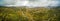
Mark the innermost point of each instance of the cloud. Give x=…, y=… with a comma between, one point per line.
x=9, y=2
x=43, y=3
x=31, y=2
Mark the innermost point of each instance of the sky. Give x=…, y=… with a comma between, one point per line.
x=33, y=3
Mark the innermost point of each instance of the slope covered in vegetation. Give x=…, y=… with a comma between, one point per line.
x=29, y=14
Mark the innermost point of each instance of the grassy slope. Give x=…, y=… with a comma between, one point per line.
x=25, y=14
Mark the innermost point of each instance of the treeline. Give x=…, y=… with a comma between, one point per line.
x=29, y=14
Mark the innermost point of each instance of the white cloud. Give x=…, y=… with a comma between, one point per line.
x=21, y=2
x=32, y=3
x=9, y=2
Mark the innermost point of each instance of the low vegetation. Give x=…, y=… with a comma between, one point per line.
x=29, y=14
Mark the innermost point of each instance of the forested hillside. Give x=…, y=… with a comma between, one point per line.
x=29, y=14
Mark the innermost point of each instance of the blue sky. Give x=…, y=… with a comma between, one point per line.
x=1, y=2
x=30, y=2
